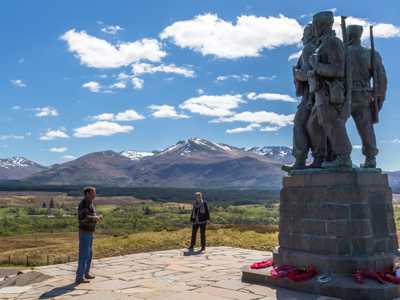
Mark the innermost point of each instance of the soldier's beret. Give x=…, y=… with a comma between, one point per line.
x=354, y=31
x=323, y=17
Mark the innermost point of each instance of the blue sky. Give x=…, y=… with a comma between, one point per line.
x=84, y=76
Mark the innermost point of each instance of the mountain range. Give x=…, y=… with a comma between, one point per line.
x=190, y=163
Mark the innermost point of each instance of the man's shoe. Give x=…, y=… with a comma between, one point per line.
x=203, y=249
x=82, y=280
x=370, y=162
x=88, y=276
x=190, y=249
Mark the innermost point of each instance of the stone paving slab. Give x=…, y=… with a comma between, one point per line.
x=164, y=275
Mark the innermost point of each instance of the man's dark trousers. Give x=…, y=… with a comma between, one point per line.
x=195, y=228
x=85, y=253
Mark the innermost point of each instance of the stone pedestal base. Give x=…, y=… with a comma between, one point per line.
x=338, y=222
x=342, y=286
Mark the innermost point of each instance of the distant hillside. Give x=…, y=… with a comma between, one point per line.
x=16, y=168
x=191, y=163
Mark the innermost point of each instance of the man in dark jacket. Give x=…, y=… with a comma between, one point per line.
x=199, y=218
x=87, y=224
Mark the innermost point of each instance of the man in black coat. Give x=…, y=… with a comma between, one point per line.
x=199, y=217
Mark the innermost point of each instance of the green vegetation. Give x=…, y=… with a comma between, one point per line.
x=33, y=233
x=128, y=218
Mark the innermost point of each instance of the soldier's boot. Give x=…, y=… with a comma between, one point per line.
x=317, y=163
x=339, y=163
x=370, y=162
x=298, y=165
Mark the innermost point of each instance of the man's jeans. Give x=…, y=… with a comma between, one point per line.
x=85, y=253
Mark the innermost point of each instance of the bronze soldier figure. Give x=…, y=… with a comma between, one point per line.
x=301, y=139
x=330, y=111
x=363, y=70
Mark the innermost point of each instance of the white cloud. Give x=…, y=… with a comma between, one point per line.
x=166, y=111
x=137, y=83
x=273, y=77
x=357, y=147
x=126, y=116
x=118, y=85
x=381, y=30
x=16, y=107
x=143, y=68
x=243, y=77
x=54, y=134
x=11, y=137
x=214, y=106
x=248, y=128
x=46, y=111
x=58, y=149
x=92, y=86
x=18, y=83
x=200, y=91
x=210, y=35
x=101, y=128
x=295, y=55
x=68, y=157
x=258, y=117
x=112, y=29
x=99, y=53
x=270, y=128
x=271, y=97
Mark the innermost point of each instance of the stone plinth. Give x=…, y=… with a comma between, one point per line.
x=339, y=222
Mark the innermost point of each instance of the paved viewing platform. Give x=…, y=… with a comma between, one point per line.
x=164, y=275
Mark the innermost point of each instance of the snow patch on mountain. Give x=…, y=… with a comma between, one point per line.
x=15, y=162
x=136, y=155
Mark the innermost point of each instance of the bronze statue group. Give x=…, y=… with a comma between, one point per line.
x=336, y=79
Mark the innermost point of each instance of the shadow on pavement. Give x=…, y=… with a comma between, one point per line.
x=59, y=291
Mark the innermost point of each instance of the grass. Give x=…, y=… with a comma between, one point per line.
x=42, y=235
x=58, y=248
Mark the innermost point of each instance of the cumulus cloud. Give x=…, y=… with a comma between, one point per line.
x=125, y=116
x=118, y=85
x=54, y=134
x=18, y=83
x=166, y=111
x=137, y=83
x=271, y=97
x=111, y=29
x=143, y=68
x=381, y=30
x=101, y=128
x=258, y=117
x=211, y=35
x=98, y=53
x=248, y=128
x=92, y=86
x=58, y=149
x=214, y=106
x=46, y=111
x=16, y=107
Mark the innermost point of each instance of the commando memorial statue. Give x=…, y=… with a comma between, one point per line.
x=337, y=234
